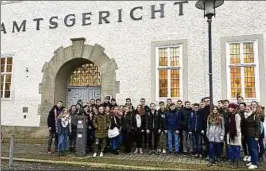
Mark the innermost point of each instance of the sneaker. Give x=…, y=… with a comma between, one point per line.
x=252, y=167
x=136, y=151
x=164, y=151
x=94, y=155
x=150, y=152
x=245, y=158
x=249, y=164
x=49, y=152
x=140, y=151
x=101, y=154
x=248, y=158
x=210, y=164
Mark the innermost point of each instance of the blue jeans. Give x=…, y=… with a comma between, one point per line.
x=196, y=140
x=234, y=152
x=62, y=142
x=116, y=141
x=253, y=146
x=171, y=135
x=214, y=150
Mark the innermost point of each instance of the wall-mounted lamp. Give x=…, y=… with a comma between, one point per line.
x=27, y=69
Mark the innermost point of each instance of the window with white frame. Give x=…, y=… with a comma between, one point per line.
x=243, y=72
x=168, y=72
x=6, y=76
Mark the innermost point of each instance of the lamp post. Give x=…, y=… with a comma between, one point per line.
x=208, y=6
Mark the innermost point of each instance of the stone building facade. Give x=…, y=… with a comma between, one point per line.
x=65, y=50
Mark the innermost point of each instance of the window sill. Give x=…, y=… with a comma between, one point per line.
x=6, y=99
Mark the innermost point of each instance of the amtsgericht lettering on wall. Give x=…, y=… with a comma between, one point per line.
x=103, y=17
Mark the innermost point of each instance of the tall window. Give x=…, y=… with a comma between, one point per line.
x=6, y=76
x=169, y=81
x=242, y=59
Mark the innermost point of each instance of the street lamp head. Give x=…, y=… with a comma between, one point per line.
x=209, y=6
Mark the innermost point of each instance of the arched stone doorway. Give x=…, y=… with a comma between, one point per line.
x=57, y=73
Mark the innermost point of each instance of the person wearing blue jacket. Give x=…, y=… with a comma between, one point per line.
x=172, y=127
x=194, y=128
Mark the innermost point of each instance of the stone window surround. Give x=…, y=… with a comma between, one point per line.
x=184, y=68
x=261, y=69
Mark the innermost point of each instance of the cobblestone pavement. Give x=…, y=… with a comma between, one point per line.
x=41, y=166
x=41, y=149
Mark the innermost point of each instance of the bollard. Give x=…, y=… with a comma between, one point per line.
x=11, y=150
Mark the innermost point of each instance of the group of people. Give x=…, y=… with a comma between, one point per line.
x=198, y=129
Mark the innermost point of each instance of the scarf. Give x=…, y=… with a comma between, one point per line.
x=64, y=122
x=246, y=114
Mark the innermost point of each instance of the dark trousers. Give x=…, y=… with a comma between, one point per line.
x=205, y=145
x=196, y=141
x=261, y=148
x=73, y=138
x=138, y=138
x=214, y=151
x=90, y=139
x=127, y=141
x=52, y=134
x=224, y=147
x=153, y=138
x=253, y=146
x=234, y=152
x=99, y=142
x=245, y=146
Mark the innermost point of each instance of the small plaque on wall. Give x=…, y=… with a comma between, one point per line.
x=25, y=109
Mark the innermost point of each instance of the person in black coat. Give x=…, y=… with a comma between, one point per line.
x=73, y=134
x=127, y=129
x=162, y=127
x=204, y=113
x=138, y=125
x=115, y=121
x=51, y=123
x=187, y=139
x=152, y=127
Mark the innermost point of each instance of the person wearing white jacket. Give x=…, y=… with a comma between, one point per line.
x=234, y=135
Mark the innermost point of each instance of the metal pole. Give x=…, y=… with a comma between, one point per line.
x=0, y=119
x=210, y=59
x=11, y=151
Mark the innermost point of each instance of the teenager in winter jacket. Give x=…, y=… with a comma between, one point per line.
x=101, y=123
x=138, y=125
x=215, y=135
x=127, y=128
x=194, y=128
x=152, y=127
x=187, y=138
x=73, y=135
x=173, y=119
x=51, y=123
x=234, y=135
x=244, y=131
x=63, y=128
x=115, y=121
x=253, y=127
x=162, y=128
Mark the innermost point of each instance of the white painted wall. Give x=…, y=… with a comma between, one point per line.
x=129, y=43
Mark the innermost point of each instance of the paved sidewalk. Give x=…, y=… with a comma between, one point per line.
x=41, y=149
